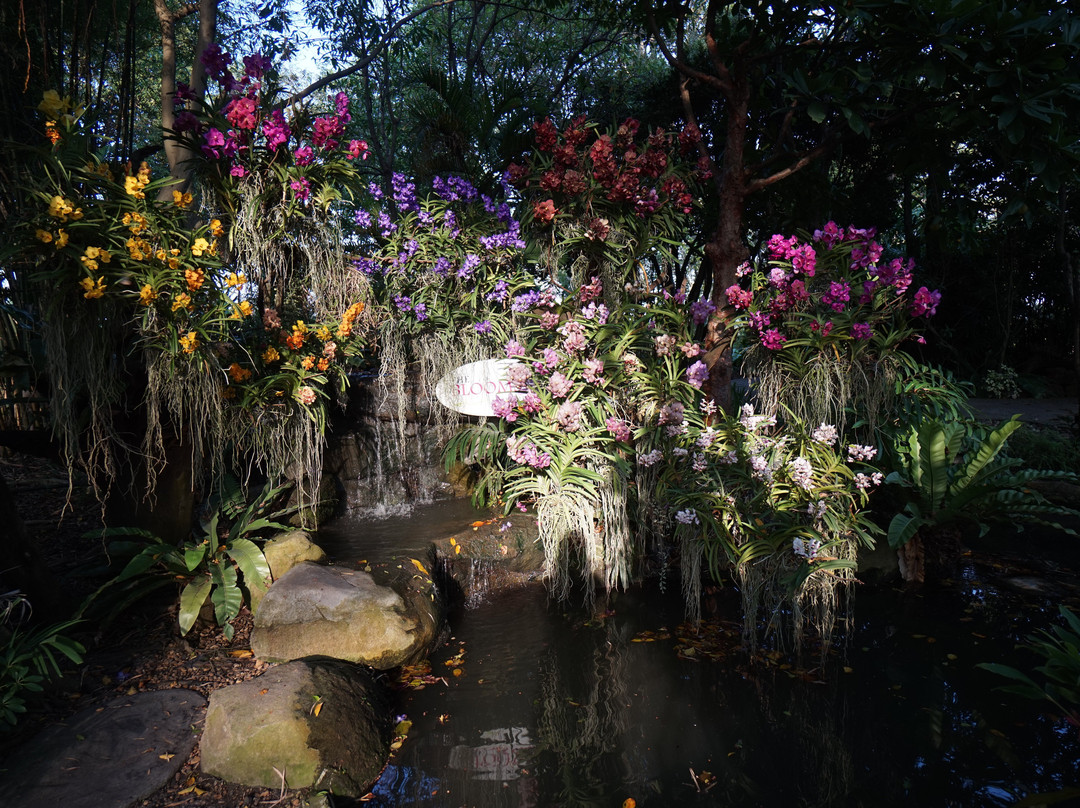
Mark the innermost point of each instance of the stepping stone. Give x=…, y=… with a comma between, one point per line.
x=105, y=757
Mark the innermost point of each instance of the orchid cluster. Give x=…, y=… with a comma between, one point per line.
x=759, y=495
x=833, y=287
x=614, y=195
x=451, y=261
x=620, y=388
x=244, y=131
x=128, y=241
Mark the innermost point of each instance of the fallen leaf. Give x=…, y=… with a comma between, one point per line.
x=318, y=708
x=419, y=566
x=629, y=802
x=167, y=756
x=241, y=653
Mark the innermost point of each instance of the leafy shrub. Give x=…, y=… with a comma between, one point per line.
x=953, y=474
x=1039, y=446
x=222, y=563
x=1060, y=648
x=28, y=659
x=1002, y=383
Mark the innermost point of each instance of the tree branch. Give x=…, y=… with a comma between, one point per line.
x=705, y=78
x=371, y=56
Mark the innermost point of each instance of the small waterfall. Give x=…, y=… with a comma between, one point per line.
x=379, y=463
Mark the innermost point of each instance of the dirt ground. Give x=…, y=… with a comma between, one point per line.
x=140, y=651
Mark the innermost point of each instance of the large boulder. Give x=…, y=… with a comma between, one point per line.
x=321, y=723
x=314, y=610
x=283, y=552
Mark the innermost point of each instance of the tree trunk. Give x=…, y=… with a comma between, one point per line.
x=175, y=153
x=727, y=247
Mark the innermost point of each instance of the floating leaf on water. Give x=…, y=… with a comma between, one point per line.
x=402, y=728
x=629, y=802
x=848, y=669
x=950, y=656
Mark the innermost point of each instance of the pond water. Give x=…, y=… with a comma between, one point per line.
x=556, y=705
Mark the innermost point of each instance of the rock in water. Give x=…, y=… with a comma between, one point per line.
x=314, y=610
x=322, y=723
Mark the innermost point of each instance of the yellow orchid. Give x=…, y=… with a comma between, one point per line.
x=189, y=342
x=239, y=374
x=194, y=278
x=182, y=301
x=60, y=208
x=147, y=295
x=93, y=289
x=44, y=236
x=134, y=187
x=52, y=106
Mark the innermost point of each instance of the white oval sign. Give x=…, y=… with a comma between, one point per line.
x=470, y=389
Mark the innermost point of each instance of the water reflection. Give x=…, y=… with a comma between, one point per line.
x=559, y=706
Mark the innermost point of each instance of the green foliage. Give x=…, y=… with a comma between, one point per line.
x=28, y=659
x=1059, y=647
x=1041, y=446
x=953, y=474
x=223, y=562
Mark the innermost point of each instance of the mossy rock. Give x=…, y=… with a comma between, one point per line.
x=323, y=723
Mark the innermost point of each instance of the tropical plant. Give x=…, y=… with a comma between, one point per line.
x=781, y=506
x=223, y=562
x=953, y=474
x=29, y=658
x=826, y=318
x=217, y=308
x=1060, y=648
